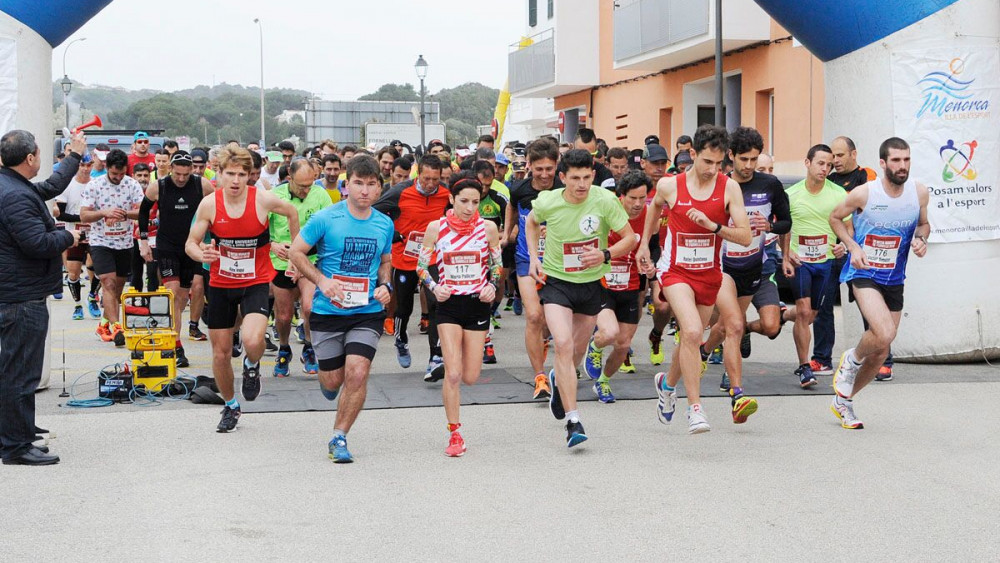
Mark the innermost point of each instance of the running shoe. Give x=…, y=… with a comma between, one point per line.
x=251, y=380
x=884, y=374
x=743, y=407
x=510, y=304
x=782, y=307
x=844, y=409
x=388, y=326
x=671, y=329
x=745, y=345
x=603, y=392
x=282, y=362
x=656, y=354
x=555, y=401
x=425, y=324
x=435, y=370
x=806, y=377
x=93, y=308
x=697, y=422
x=78, y=313
x=456, y=445
x=575, y=434
x=338, y=450
x=542, y=390
x=843, y=379
x=182, y=360
x=403, y=354
x=627, y=366
x=715, y=358
x=328, y=394
x=494, y=322
x=546, y=344
x=118, y=335
x=725, y=384
x=104, y=332
x=300, y=333
x=489, y=354
x=57, y=296
x=229, y=419
x=667, y=400
x=195, y=333
x=270, y=348
x=310, y=365
x=237, y=345
x=820, y=368
x=518, y=306
x=592, y=361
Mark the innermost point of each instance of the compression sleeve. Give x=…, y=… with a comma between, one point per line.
x=63, y=216
x=496, y=264
x=423, y=266
x=144, y=208
x=782, y=223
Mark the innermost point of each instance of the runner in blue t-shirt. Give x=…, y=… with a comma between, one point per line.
x=352, y=273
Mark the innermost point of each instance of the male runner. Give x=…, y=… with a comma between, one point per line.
x=889, y=218
x=110, y=203
x=351, y=276
x=68, y=203
x=578, y=219
x=542, y=154
x=702, y=203
x=236, y=217
x=308, y=199
x=140, y=152
x=176, y=197
x=654, y=162
x=809, y=257
x=493, y=208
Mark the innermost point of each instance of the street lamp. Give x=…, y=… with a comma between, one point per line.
x=66, y=83
x=421, y=68
x=260, y=27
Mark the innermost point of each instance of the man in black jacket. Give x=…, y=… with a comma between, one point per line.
x=30, y=270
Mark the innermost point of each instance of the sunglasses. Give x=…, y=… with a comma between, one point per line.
x=142, y=142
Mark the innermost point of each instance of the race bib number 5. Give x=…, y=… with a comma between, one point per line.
x=355, y=292
x=237, y=263
x=463, y=268
x=695, y=251
x=881, y=251
x=572, y=251
x=413, y=243
x=813, y=249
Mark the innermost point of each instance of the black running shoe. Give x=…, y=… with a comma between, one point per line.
x=251, y=381
x=182, y=361
x=229, y=419
x=745, y=345
x=119, y=338
x=555, y=401
x=237, y=345
x=270, y=348
x=574, y=434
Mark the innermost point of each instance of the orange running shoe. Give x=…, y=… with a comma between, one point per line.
x=104, y=331
x=542, y=390
x=389, y=326
x=456, y=445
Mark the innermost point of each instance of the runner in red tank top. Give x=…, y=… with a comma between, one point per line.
x=701, y=202
x=241, y=271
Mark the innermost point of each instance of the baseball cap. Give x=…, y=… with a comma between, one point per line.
x=140, y=135
x=683, y=157
x=501, y=159
x=434, y=143
x=101, y=151
x=655, y=153
x=395, y=143
x=651, y=140
x=274, y=156
x=518, y=165
x=198, y=155
x=463, y=153
x=182, y=158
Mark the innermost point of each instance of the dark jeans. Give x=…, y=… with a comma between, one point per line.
x=824, y=334
x=23, y=328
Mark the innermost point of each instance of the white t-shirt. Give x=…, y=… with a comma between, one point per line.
x=100, y=194
x=272, y=179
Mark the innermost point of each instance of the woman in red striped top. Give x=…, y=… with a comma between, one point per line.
x=465, y=251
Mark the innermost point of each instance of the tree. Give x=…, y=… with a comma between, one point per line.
x=393, y=93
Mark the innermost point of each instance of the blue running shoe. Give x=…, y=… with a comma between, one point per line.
x=327, y=394
x=715, y=358
x=667, y=400
x=281, y=364
x=555, y=401
x=93, y=308
x=338, y=450
x=78, y=313
x=574, y=434
x=300, y=333
x=518, y=306
x=310, y=364
x=592, y=361
x=603, y=392
x=403, y=354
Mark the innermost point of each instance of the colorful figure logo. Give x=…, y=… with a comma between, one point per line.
x=958, y=161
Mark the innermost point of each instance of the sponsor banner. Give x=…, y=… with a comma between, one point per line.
x=946, y=104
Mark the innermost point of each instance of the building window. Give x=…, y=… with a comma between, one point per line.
x=532, y=13
x=552, y=8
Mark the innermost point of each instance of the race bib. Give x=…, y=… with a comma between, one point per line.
x=413, y=243
x=881, y=251
x=355, y=292
x=237, y=263
x=83, y=227
x=695, y=251
x=734, y=250
x=541, y=247
x=813, y=248
x=572, y=251
x=617, y=279
x=463, y=268
x=60, y=225
x=116, y=229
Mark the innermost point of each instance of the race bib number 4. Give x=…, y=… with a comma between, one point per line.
x=237, y=263
x=355, y=292
x=695, y=251
x=413, y=243
x=813, y=248
x=617, y=279
x=463, y=268
x=881, y=251
x=572, y=251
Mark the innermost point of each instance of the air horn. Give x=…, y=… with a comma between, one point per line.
x=95, y=122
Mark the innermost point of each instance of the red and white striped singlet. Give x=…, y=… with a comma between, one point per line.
x=463, y=260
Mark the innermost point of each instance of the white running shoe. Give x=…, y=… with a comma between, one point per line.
x=844, y=409
x=697, y=422
x=843, y=378
x=667, y=403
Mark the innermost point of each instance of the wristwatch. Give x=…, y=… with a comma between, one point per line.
x=607, y=256
x=388, y=286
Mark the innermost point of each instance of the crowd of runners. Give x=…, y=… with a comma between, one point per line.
x=339, y=245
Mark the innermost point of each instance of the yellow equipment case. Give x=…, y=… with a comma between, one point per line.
x=147, y=318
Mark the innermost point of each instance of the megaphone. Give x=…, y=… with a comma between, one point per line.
x=95, y=122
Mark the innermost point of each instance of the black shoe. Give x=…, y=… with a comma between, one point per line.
x=555, y=401
x=237, y=345
x=40, y=430
x=43, y=449
x=33, y=456
x=745, y=345
x=270, y=348
x=182, y=361
x=251, y=381
x=119, y=339
x=574, y=434
x=229, y=419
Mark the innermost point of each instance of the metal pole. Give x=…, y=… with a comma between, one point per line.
x=719, y=84
x=260, y=27
x=66, y=106
x=423, y=143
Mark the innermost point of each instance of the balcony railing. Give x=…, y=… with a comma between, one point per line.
x=534, y=65
x=644, y=25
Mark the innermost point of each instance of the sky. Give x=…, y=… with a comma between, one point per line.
x=334, y=49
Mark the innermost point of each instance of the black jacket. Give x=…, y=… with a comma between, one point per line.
x=30, y=245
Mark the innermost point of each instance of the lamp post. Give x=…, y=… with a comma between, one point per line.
x=260, y=27
x=66, y=83
x=421, y=67
x=720, y=120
